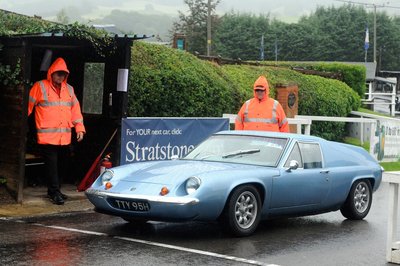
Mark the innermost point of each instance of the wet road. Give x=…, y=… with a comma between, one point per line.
x=88, y=238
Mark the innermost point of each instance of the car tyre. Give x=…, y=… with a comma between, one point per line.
x=243, y=211
x=359, y=201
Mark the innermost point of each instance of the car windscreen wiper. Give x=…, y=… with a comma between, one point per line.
x=240, y=152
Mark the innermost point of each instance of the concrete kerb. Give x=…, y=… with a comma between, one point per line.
x=36, y=203
x=32, y=209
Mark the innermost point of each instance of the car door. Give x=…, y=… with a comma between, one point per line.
x=307, y=185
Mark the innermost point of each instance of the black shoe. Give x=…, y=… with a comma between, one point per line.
x=56, y=199
x=63, y=196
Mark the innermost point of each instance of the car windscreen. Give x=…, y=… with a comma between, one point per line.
x=257, y=150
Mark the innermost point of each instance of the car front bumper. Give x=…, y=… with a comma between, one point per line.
x=159, y=208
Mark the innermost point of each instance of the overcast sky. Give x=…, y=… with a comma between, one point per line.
x=89, y=9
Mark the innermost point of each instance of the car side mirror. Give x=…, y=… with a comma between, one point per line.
x=293, y=165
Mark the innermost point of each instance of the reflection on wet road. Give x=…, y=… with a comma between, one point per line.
x=91, y=238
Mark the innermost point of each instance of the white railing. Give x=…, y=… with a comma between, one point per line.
x=389, y=101
x=292, y=121
x=361, y=120
x=306, y=120
x=392, y=242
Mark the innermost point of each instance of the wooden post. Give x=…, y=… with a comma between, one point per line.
x=288, y=96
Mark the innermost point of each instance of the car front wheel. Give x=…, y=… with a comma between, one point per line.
x=358, y=202
x=243, y=210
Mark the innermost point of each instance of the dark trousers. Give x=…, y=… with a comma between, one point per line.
x=56, y=159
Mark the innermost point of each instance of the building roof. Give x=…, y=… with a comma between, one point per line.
x=63, y=34
x=388, y=73
x=370, y=69
x=385, y=80
x=369, y=66
x=110, y=28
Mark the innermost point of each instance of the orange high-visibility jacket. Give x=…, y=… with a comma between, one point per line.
x=55, y=113
x=266, y=114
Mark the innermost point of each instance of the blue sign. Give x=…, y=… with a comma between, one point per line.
x=152, y=139
x=180, y=44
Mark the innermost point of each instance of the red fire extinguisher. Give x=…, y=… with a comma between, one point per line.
x=105, y=163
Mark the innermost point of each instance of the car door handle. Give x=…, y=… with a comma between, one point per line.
x=324, y=171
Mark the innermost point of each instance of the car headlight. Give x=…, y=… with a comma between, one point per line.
x=106, y=176
x=192, y=184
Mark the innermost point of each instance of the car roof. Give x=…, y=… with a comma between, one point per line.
x=299, y=137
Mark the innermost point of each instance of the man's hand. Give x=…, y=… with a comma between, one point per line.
x=79, y=136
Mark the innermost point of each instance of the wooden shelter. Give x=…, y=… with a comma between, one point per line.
x=100, y=82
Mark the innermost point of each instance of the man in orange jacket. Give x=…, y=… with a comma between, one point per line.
x=57, y=110
x=262, y=112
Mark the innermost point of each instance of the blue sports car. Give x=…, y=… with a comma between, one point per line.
x=241, y=177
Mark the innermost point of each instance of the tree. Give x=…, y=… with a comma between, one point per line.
x=294, y=41
x=328, y=34
x=239, y=35
x=194, y=25
x=62, y=17
x=340, y=32
x=131, y=22
x=388, y=42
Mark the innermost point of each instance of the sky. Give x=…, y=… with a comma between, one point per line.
x=91, y=9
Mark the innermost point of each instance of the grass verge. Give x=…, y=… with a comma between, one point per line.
x=390, y=166
x=364, y=110
x=357, y=142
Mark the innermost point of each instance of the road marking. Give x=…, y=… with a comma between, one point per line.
x=74, y=230
x=140, y=241
x=196, y=251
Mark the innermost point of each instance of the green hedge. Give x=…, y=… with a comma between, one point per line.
x=352, y=74
x=169, y=82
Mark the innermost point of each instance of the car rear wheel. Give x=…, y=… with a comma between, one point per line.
x=242, y=213
x=358, y=202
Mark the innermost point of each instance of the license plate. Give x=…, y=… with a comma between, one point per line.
x=130, y=205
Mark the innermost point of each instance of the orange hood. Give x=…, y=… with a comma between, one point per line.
x=58, y=65
x=261, y=82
